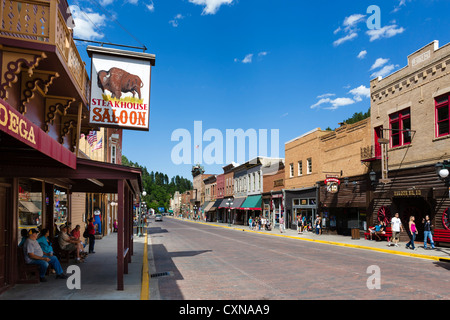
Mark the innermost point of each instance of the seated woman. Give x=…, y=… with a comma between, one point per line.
x=46, y=244
x=76, y=234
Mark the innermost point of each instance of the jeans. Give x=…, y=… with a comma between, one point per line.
x=426, y=235
x=411, y=241
x=43, y=265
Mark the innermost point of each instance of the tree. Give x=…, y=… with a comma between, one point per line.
x=156, y=184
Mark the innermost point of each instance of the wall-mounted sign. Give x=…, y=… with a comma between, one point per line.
x=332, y=185
x=120, y=88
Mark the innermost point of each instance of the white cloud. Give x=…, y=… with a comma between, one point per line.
x=360, y=92
x=335, y=103
x=248, y=58
x=379, y=63
x=87, y=23
x=150, y=6
x=349, y=26
x=211, y=6
x=262, y=53
x=345, y=39
x=385, y=32
x=402, y=3
x=362, y=54
x=326, y=95
x=353, y=20
x=175, y=21
x=384, y=71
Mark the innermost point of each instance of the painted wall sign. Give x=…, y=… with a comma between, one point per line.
x=120, y=88
x=18, y=126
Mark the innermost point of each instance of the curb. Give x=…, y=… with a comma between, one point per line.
x=413, y=255
x=145, y=274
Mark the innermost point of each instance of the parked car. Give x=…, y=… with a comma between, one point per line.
x=158, y=217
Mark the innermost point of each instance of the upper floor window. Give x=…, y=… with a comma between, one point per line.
x=300, y=168
x=442, y=116
x=400, y=125
x=291, y=171
x=309, y=163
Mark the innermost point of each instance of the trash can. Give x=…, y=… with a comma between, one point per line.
x=355, y=234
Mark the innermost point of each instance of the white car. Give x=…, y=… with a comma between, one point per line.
x=158, y=217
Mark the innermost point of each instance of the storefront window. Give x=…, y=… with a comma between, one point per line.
x=60, y=206
x=30, y=204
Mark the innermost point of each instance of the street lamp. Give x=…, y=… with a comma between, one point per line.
x=141, y=206
x=442, y=169
x=229, y=203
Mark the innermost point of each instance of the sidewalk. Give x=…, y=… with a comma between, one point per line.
x=98, y=277
x=439, y=254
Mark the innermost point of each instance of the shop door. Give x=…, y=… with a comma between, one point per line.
x=3, y=240
x=416, y=207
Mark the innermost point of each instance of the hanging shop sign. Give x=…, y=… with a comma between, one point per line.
x=120, y=88
x=332, y=185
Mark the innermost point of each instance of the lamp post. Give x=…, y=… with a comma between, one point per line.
x=140, y=214
x=229, y=203
x=442, y=170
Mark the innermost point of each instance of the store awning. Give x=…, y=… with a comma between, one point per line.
x=252, y=203
x=237, y=203
x=215, y=205
x=224, y=202
x=205, y=204
x=209, y=206
x=23, y=140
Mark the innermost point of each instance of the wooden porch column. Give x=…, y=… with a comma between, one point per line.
x=120, y=229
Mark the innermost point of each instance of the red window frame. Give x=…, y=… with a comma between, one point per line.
x=441, y=103
x=399, y=118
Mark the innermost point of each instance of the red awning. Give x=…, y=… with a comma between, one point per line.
x=20, y=128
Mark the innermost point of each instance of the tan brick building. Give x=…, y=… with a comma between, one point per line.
x=318, y=155
x=410, y=112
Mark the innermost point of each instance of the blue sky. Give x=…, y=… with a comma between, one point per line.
x=256, y=64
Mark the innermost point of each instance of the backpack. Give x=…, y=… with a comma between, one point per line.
x=86, y=233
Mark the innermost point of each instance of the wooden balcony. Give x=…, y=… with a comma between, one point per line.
x=37, y=25
x=370, y=153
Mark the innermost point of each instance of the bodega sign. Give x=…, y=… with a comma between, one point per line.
x=120, y=88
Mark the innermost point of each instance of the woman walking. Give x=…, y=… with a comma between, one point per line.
x=413, y=232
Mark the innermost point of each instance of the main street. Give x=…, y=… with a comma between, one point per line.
x=195, y=261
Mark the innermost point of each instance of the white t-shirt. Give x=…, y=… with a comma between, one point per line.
x=395, y=224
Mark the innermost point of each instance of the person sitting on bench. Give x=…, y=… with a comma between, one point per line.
x=34, y=255
x=69, y=243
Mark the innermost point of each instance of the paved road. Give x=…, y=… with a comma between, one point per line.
x=212, y=263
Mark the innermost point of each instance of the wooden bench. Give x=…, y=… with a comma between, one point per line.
x=28, y=273
x=441, y=235
x=63, y=256
x=387, y=234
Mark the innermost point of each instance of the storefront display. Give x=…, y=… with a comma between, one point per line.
x=30, y=204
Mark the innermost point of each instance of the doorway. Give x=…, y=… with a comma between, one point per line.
x=417, y=207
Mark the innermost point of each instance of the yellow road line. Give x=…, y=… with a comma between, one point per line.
x=145, y=275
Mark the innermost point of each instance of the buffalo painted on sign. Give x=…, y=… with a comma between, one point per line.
x=120, y=89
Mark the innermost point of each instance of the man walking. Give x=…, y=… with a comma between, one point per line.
x=396, y=225
x=427, y=232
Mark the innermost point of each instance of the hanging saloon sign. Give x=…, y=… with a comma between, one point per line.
x=120, y=88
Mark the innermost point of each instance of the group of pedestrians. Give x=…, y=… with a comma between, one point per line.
x=397, y=227
x=259, y=223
